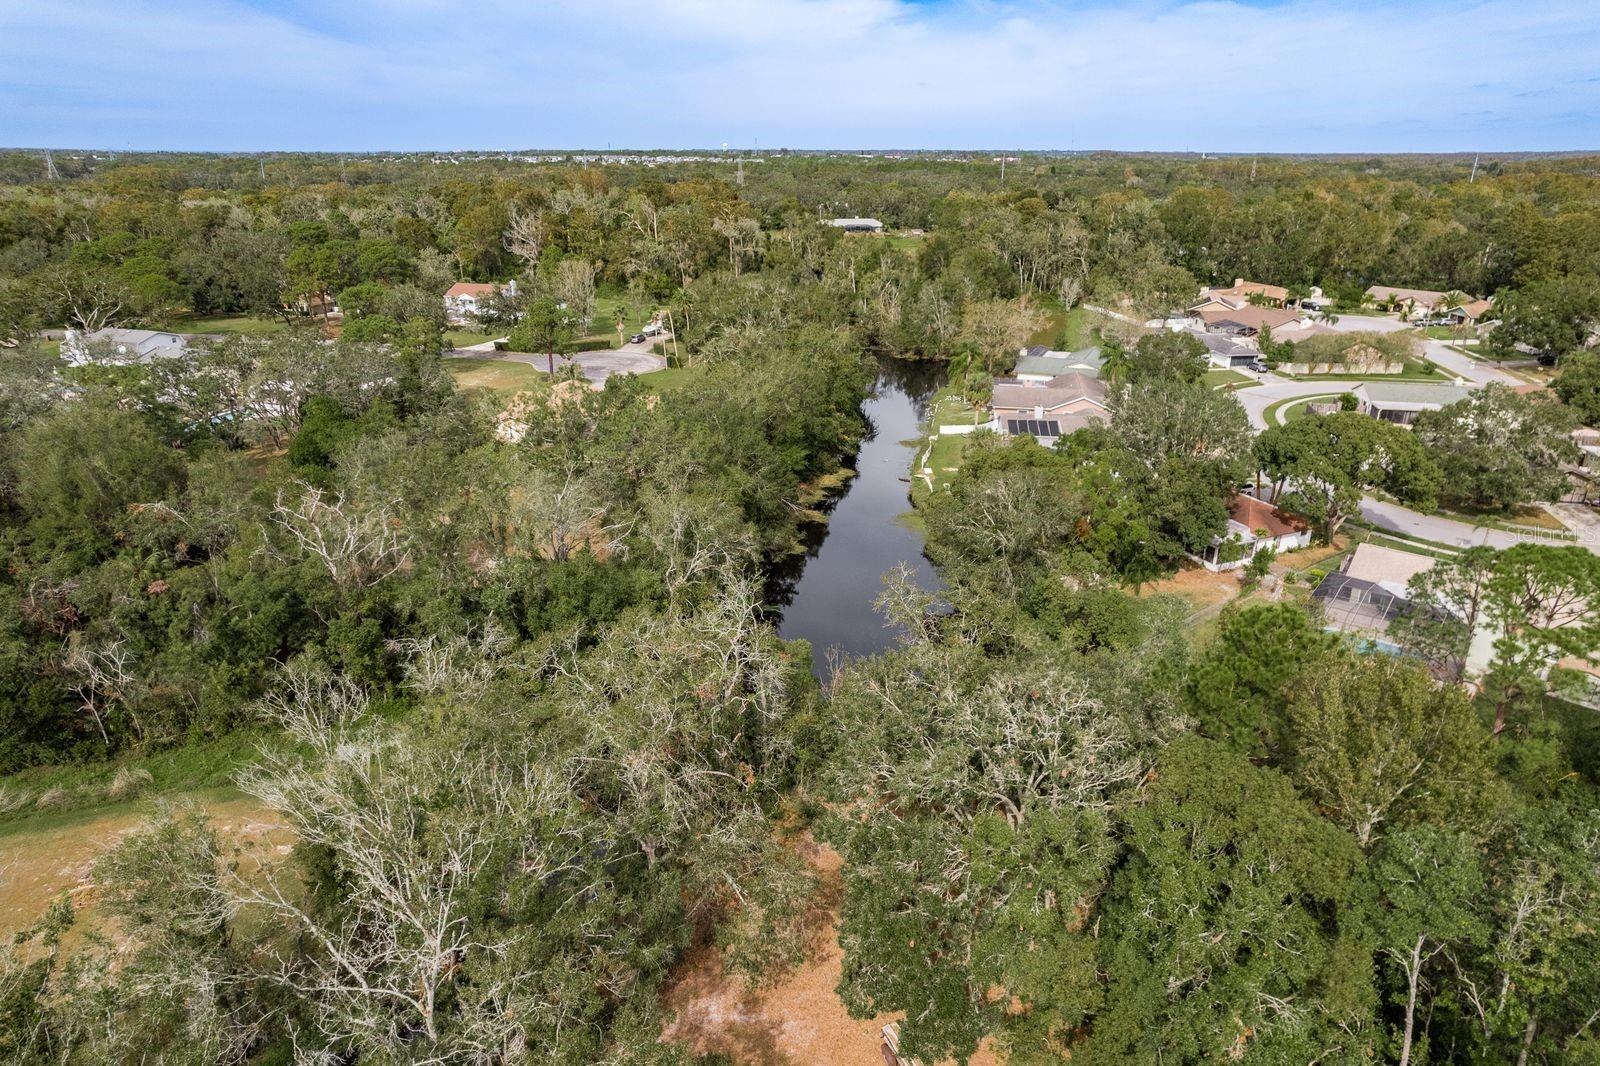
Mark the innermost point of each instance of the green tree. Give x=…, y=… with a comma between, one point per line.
x=1239, y=688
x=1429, y=883
x=1234, y=901
x=1376, y=743
x=1168, y=356
x=1578, y=385
x=1176, y=419
x=80, y=469
x=1540, y=609
x=986, y=791
x=545, y=327
x=1552, y=317
x=1499, y=448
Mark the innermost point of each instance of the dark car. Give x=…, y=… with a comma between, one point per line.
x=1258, y=366
x=637, y=338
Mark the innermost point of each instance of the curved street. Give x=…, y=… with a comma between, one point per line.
x=1381, y=513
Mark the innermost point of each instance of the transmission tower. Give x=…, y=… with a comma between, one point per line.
x=50, y=170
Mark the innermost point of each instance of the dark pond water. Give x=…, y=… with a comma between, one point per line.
x=826, y=595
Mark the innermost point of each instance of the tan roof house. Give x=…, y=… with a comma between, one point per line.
x=1247, y=320
x=1047, y=410
x=1410, y=302
x=1241, y=291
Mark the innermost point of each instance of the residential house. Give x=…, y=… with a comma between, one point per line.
x=1225, y=352
x=1316, y=299
x=1468, y=314
x=1039, y=364
x=857, y=225
x=120, y=346
x=1585, y=474
x=1240, y=292
x=465, y=299
x=1253, y=526
x=1050, y=409
x=1245, y=320
x=1370, y=590
x=1401, y=401
x=314, y=304
x=1424, y=303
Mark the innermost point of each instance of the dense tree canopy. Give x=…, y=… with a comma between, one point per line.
x=504, y=664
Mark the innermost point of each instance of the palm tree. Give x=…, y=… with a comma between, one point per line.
x=1115, y=361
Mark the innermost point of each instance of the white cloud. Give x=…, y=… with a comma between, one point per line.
x=1300, y=75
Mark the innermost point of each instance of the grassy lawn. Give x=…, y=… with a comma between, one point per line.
x=232, y=324
x=670, y=378
x=1219, y=377
x=948, y=409
x=906, y=242
x=497, y=375
x=71, y=788
x=944, y=459
x=1292, y=408
x=1067, y=331
x=609, y=307
x=464, y=338
x=1416, y=370
x=1536, y=517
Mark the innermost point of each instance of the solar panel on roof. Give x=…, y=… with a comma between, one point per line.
x=1033, y=427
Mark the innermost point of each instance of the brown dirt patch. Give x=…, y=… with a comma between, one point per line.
x=1199, y=586
x=37, y=865
x=800, y=1019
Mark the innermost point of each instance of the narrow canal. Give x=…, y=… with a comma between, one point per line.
x=827, y=595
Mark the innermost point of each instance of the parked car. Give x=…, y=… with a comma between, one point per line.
x=652, y=329
x=1258, y=366
x=637, y=338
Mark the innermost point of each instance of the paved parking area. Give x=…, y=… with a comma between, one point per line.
x=596, y=366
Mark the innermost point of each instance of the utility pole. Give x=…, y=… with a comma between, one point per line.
x=262, y=162
x=1252, y=170
x=1474, y=175
x=739, y=177
x=50, y=171
x=1002, y=170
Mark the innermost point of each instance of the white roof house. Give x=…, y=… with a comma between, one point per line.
x=857, y=225
x=1401, y=401
x=119, y=346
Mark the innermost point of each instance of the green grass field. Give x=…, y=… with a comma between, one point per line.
x=1067, y=331
x=1292, y=408
x=497, y=375
x=228, y=324
x=1218, y=377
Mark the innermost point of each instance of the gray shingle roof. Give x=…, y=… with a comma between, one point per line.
x=1412, y=392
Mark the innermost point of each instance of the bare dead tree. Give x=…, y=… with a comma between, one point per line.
x=525, y=235
x=358, y=546
x=102, y=678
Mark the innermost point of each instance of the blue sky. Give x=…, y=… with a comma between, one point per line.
x=1294, y=75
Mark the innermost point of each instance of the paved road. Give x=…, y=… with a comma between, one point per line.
x=1393, y=517
x=1460, y=365
x=1274, y=388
